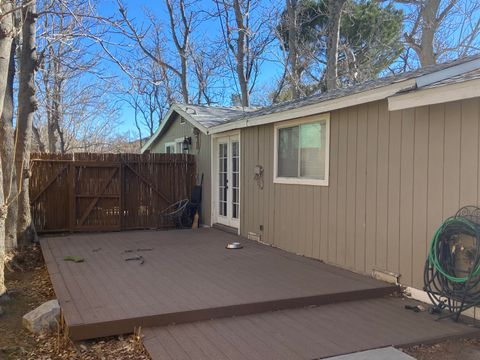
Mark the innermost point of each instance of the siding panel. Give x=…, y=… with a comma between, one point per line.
x=393, y=178
x=406, y=195
x=382, y=186
x=420, y=183
x=361, y=185
x=351, y=188
x=342, y=187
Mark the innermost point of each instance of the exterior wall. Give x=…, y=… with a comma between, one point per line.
x=394, y=177
x=201, y=150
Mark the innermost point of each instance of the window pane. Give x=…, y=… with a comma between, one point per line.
x=288, y=152
x=312, y=150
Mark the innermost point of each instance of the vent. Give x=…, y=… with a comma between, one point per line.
x=253, y=236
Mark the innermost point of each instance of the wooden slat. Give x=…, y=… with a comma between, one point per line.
x=95, y=200
x=48, y=183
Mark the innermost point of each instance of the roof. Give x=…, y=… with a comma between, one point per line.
x=216, y=119
x=202, y=117
x=210, y=116
x=459, y=70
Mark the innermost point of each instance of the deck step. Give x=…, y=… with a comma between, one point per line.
x=123, y=326
x=303, y=334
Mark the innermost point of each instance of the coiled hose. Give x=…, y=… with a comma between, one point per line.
x=447, y=285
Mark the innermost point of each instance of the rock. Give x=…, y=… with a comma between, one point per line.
x=1, y=311
x=4, y=298
x=44, y=317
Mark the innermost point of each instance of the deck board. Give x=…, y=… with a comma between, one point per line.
x=187, y=276
x=314, y=332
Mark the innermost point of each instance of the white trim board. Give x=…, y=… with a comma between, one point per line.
x=213, y=176
x=318, y=108
x=299, y=180
x=435, y=95
x=447, y=73
x=167, y=119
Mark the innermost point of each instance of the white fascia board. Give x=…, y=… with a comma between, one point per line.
x=447, y=73
x=435, y=95
x=191, y=120
x=318, y=108
x=150, y=141
x=166, y=119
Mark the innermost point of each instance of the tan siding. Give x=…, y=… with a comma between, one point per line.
x=393, y=178
x=177, y=130
x=361, y=185
x=406, y=195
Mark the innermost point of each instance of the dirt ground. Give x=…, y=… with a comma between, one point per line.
x=29, y=286
x=457, y=349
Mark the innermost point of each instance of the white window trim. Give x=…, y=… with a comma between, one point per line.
x=171, y=143
x=179, y=141
x=301, y=181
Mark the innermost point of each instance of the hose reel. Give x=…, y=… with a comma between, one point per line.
x=452, y=269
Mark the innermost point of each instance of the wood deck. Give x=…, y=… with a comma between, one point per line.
x=308, y=333
x=187, y=276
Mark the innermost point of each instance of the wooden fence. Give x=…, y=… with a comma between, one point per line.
x=106, y=192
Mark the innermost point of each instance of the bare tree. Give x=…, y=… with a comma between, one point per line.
x=6, y=38
x=442, y=29
x=293, y=42
x=7, y=152
x=27, y=104
x=246, y=38
x=181, y=24
x=333, y=34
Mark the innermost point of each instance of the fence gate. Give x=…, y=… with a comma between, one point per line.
x=106, y=192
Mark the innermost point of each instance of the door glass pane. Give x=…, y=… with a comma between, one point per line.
x=235, y=179
x=222, y=179
x=287, y=152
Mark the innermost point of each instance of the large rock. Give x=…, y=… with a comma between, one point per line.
x=44, y=317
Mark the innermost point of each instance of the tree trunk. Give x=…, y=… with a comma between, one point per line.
x=429, y=27
x=3, y=214
x=7, y=151
x=27, y=105
x=292, y=47
x=333, y=34
x=242, y=79
x=6, y=38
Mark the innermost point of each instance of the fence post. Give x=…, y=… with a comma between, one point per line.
x=121, y=199
x=72, y=211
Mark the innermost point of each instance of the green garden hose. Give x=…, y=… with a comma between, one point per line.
x=446, y=287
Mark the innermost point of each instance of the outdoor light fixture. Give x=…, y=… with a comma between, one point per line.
x=187, y=141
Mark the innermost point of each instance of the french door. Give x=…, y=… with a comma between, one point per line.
x=227, y=168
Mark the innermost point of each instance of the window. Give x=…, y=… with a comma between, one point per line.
x=179, y=146
x=170, y=148
x=301, y=152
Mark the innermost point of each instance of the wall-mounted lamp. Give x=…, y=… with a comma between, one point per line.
x=187, y=141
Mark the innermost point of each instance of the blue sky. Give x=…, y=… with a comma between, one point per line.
x=269, y=70
x=136, y=10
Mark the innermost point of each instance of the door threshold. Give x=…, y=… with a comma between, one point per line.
x=226, y=228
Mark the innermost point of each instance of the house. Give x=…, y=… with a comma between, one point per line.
x=184, y=130
x=359, y=177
